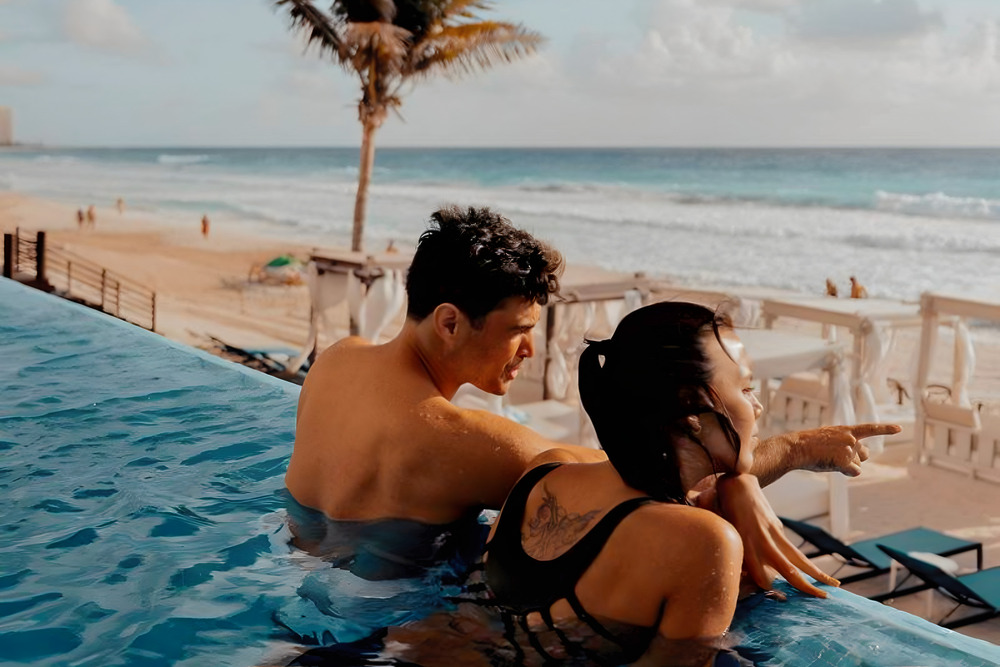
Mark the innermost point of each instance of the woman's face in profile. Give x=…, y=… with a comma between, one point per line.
x=732, y=383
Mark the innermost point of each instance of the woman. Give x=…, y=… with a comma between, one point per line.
x=602, y=559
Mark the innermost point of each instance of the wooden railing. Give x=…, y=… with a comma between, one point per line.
x=72, y=277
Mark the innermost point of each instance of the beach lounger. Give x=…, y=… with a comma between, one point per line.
x=867, y=555
x=980, y=590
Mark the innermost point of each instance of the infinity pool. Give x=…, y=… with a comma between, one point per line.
x=144, y=520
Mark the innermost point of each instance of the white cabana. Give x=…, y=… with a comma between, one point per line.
x=871, y=324
x=955, y=434
x=372, y=285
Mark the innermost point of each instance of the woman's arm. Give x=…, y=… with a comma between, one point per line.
x=766, y=549
x=824, y=449
x=702, y=586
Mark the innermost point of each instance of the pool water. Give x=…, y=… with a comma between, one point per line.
x=144, y=520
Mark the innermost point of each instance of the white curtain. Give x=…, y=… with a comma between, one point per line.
x=325, y=292
x=383, y=302
x=840, y=390
x=583, y=325
x=374, y=308
x=872, y=388
x=557, y=372
x=965, y=362
x=573, y=321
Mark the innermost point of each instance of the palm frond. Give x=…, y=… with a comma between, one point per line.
x=365, y=11
x=384, y=44
x=466, y=48
x=318, y=27
x=463, y=8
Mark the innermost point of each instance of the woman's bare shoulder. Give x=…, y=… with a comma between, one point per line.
x=682, y=529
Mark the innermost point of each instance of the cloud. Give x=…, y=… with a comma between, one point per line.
x=767, y=6
x=14, y=76
x=863, y=21
x=687, y=42
x=102, y=25
x=708, y=72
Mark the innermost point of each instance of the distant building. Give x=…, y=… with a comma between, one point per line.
x=6, y=127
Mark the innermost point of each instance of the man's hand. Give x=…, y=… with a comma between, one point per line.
x=824, y=449
x=765, y=547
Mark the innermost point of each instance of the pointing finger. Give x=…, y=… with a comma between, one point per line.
x=868, y=430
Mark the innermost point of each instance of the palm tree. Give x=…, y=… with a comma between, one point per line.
x=388, y=44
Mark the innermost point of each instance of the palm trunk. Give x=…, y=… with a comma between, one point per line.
x=364, y=179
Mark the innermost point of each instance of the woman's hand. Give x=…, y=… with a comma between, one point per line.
x=765, y=547
x=824, y=449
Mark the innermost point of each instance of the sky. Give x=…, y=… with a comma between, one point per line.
x=623, y=73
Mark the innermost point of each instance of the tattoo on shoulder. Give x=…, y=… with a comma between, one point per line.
x=553, y=527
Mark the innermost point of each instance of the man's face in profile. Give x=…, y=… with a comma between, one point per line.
x=500, y=345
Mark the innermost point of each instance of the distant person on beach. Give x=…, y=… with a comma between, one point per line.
x=858, y=291
x=120, y=205
x=831, y=288
x=670, y=396
x=391, y=248
x=80, y=218
x=91, y=216
x=377, y=437
x=204, y=226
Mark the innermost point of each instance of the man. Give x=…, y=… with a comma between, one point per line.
x=377, y=437
x=376, y=434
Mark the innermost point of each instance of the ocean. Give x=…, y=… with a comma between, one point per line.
x=902, y=220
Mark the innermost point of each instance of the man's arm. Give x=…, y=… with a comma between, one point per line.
x=824, y=449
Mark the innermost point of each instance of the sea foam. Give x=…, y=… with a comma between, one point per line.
x=938, y=204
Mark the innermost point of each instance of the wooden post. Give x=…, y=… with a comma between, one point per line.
x=8, y=255
x=928, y=338
x=104, y=280
x=69, y=277
x=118, y=298
x=153, y=327
x=40, y=258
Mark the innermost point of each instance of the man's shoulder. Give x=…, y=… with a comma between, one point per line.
x=341, y=352
x=348, y=344
x=465, y=424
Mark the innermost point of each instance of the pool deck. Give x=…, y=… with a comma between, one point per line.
x=895, y=494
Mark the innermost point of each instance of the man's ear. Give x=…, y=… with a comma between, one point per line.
x=447, y=321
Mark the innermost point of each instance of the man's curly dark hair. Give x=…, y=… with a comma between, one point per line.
x=475, y=258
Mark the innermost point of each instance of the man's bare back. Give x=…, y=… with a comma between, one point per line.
x=377, y=436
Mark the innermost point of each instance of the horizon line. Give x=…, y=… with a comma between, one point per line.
x=38, y=145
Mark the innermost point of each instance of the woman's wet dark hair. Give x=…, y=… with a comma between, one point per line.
x=655, y=374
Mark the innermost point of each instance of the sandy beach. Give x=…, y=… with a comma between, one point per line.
x=203, y=291
x=202, y=284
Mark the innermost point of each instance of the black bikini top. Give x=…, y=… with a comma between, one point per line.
x=524, y=584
